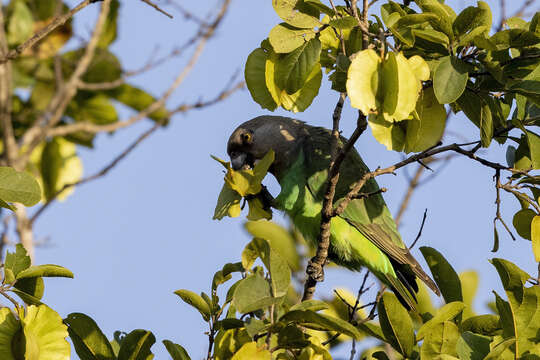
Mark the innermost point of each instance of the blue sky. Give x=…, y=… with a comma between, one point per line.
x=146, y=229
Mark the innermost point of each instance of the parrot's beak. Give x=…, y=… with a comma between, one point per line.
x=241, y=161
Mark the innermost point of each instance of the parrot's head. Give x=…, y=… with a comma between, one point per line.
x=254, y=138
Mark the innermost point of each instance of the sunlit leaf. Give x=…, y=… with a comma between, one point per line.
x=18, y=187
x=195, y=300
x=363, y=81
x=176, y=351
x=9, y=326
x=285, y=38
x=250, y=351
x=256, y=79
x=89, y=341
x=396, y=324
x=296, y=13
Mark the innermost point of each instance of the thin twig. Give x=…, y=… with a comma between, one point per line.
x=157, y=8
x=100, y=173
x=419, y=231
x=55, y=23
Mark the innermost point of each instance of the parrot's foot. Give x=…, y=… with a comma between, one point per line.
x=315, y=271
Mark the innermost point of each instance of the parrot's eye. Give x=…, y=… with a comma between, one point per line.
x=246, y=137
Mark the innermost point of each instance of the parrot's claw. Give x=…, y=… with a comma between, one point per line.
x=315, y=271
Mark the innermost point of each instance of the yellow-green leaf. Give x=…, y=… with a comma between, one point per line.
x=419, y=67
x=250, y=351
x=9, y=326
x=390, y=134
x=45, y=334
x=427, y=126
x=363, y=81
x=256, y=79
x=535, y=237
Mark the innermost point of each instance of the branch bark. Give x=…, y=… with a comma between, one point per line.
x=55, y=23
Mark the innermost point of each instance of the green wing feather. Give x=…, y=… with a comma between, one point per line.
x=369, y=216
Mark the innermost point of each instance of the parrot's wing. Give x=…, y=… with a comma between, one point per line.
x=379, y=236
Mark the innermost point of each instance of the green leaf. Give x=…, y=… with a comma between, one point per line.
x=506, y=319
x=293, y=70
x=470, y=18
x=522, y=222
x=445, y=16
x=21, y=23
x=441, y=340
x=228, y=203
x=89, y=341
x=136, y=345
x=396, y=324
x=250, y=351
x=34, y=287
x=44, y=334
x=400, y=88
x=313, y=305
x=472, y=346
x=534, y=148
x=109, y=32
x=96, y=109
x=229, y=342
x=256, y=79
x=104, y=67
x=48, y=270
x=138, y=100
x=535, y=237
x=300, y=100
x=427, y=126
x=191, y=298
x=280, y=274
x=18, y=187
x=444, y=274
x=524, y=303
x=444, y=314
x=449, y=80
x=9, y=328
x=176, y=351
x=313, y=320
x=514, y=38
x=253, y=293
x=285, y=38
x=59, y=166
x=17, y=261
x=363, y=81
x=390, y=134
x=296, y=13
x=279, y=238
x=502, y=351
x=344, y=23
x=469, y=286
x=486, y=125
x=482, y=324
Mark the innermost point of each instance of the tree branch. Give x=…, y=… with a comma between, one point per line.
x=57, y=106
x=10, y=145
x=56, y=22
x=148, y=2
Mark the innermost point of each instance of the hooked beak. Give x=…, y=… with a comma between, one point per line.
x=239, y=161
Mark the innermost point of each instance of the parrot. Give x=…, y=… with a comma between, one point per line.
x=364, y=235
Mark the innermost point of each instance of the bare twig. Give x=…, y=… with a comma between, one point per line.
x=10, y=145
x=498, y=216
x=100, y=173
x=57, y=106
x=158, y=104
x=419, y=231
x=157, y=8
x=55, y=23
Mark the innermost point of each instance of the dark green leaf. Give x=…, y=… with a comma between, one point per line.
x=472, y=346
x=515, y=38
x=136, y=345
x=89, y=341
x=31, y=286
x=444, y=274
x=176, y=351
x=255, y=75
x=522, y=222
